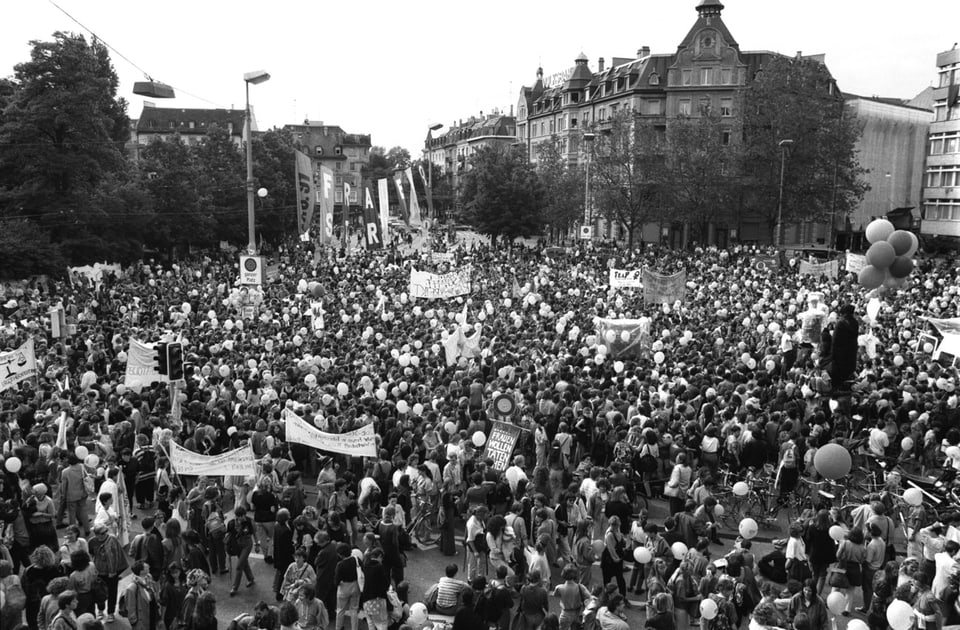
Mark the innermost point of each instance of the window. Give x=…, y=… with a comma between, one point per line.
x=603, y=114
x=706, y=76
x=573, y=122
x=553, y=126
x=687, y=76
x=338, y=180
x=943, y=176
x=339, y=166
x=726, y=107
x=654, y=79
x=354, y=196
x=725, y=137
x=192, y=124
x=704, y=105
x=726, y=76
x=338, y=195
x=353, y=166
x=941, y=209
x=173, y=125
x=651, y=107
x=683, y=107
x=586, y=117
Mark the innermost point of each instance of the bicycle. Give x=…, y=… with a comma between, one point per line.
x=423, y=528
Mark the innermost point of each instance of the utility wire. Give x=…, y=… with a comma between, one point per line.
x=127, y=59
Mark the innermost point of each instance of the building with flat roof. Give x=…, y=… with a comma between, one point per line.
x=941, y=185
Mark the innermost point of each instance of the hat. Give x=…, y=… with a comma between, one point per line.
x=100, y=529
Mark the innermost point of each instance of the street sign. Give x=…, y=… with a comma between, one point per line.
x=586, y=232
x=505, y=405
x=251, y=270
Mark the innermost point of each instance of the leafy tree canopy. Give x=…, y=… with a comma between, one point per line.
x=502, y=194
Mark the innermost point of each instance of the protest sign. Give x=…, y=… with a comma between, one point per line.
x=17, y=366
x=630, y=336
x=855, y=263
x=428, y=285
x=500, y=444
x=625, y=278
x=361, y=442
x=236, y=463
x=142, y=366
x=766, y=262
x=441, y=257
x=660, y=289
x=828, y=269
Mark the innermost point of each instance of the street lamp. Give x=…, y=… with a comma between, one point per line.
x=432, y=128
x=784, y=147
x=587, y=146
x=255, y=77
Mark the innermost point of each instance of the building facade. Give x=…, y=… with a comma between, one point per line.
x=163, y=123
x=346, y=154
x=449, y=152
x=705, y=75
x=941, y=184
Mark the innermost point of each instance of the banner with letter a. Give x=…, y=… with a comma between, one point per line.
x=371, y=224
x=414, y=203
x=306, y=191
x=325, y=196
x=383, y=192
x=239, y=462
x=625, y=278
x=660, y=289
x=428, y=285
x=500, y=444
x=361, y=442
x=17, y=366
x=142, y=366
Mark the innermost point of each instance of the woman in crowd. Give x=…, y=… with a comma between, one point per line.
x=35, y=578
x=612, y=557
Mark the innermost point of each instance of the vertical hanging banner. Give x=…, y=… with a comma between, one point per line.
x=306, y=191
x=427, y=185
x=414, y=203
x=371, y=224
x=325, y=195
x=346, y=211
x=398, y=181
x=383, y=190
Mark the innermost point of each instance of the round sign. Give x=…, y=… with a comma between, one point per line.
x=250, y=264
x=505, y=405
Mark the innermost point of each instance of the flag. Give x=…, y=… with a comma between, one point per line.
x=414, y=204
x=515, y=290
x=346, y=211
x=427, y=185
x=18, y=366
x=316, y=314
x=62, y=431
x=371, y=224
x=398, y=181
x=451, y=347
x=306, y=191
x=325, y=195
x=383, y=190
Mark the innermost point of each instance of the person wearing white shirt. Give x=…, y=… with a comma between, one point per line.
x=945, y=561
x=106, y=514
x=475, y=525
x=515, y=473
x=878, y=440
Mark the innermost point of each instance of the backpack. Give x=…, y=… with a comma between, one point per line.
x=14, y=597
x=790, y=457
x=231, y=541
x=480, y=543
x=214, y=524
x=488, y=607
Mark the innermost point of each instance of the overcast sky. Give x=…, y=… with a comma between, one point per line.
x=390, y=69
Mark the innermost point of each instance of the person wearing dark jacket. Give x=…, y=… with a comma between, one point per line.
x=348, y=588
x=753, y=453
x=845, y=346
x=282, y=549
x=467, y=618
x=373, y=597
x=325, y=565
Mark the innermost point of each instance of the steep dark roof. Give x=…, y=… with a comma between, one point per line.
x=159, y=119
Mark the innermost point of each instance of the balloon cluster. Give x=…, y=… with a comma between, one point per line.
x=889, y=258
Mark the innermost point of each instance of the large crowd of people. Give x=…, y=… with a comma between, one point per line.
x=749, y=375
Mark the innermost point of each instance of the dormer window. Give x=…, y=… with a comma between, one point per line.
x=654, y=79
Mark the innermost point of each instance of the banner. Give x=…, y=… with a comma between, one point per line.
x=829, y=269
x=398, y=182
x=500, y=444
x=18, y=366
x=346, y=211
x=414, y=204
x=427, y=184
x=236, y=463
x=372, y=236
x=428, y=285
x=658, y=289
x=94, y=273
x=361, y=442
x=439, y=258
x=325, y=196
x=316, y=314
x=855, y=263
x=142, y=366
x=306, y=192
x=624, y=337
x=766, y=262
x=383, y=191
x=626, y=278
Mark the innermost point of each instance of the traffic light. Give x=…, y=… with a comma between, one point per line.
x=175, y=361
x=162, y=365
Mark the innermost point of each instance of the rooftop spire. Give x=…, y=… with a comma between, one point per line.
x=709, y=8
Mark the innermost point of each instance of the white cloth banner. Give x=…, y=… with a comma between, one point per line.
x=855, y=263
x=424, y=284
x=17, y=366
x=142, y=366
x=361, y=442
x=626, y=278
x=828, y=269
x=236, y=463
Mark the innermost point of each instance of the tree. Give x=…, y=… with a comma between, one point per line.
x=628, y=173
x=62, y=134
x=273, y=169
x=398, y=157
x=25, y=249
x=502, y=194
x=222, y=176
x=563, y=185
x=796, y=99
x=702, y=156
x=171, y=179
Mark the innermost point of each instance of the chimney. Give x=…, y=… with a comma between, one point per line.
x=600, y=62
x=644, y=51
x=511, y=111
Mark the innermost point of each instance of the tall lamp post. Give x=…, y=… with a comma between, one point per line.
x=432, y=128
x=587, y=147
x=784, y=147
x=255, y=77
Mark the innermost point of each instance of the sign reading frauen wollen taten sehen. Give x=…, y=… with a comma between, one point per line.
x=500, y=444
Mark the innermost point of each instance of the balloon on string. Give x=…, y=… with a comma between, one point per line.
x=879, y=230
x=659, y=358
x=913, y=496
x=900, y=615
x=837, y=532
x=13, y=465
x=418, y=614
x=708, y=608
x=479, y=439
x=857, y=624
x=597, y=547
x=900, y=241
x=81, y=452
x=901, y=267
x=771, y=365
x=642, y=555
x=381, y=394
x=837, y=602
x=679, y=550
x=880, y=255
x=618, y=367
x=832, y=461
x=906, y=444
x=748, y=528
x=417, y=409
x=403, y=406
x=870, y=277
x=741, y=489
x=450, y=428
x=718, y=510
